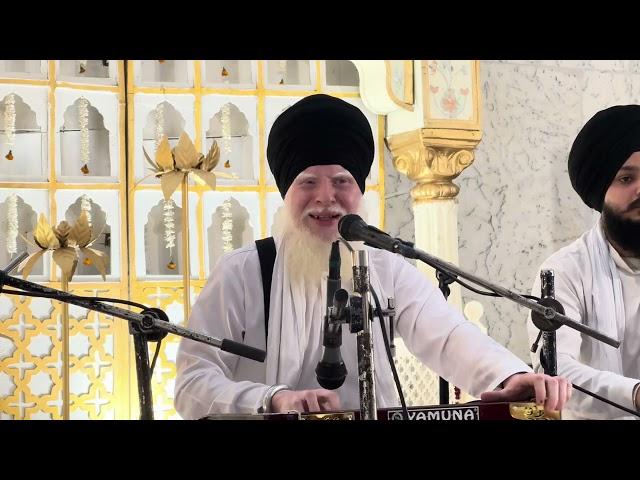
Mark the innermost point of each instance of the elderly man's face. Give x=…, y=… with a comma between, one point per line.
x=320, y=196
x=623, y=196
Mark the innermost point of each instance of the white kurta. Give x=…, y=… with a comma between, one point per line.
x=231, y=306
x=585, y=286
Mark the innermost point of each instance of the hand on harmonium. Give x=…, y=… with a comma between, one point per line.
x=552, y=392
x=319, y=400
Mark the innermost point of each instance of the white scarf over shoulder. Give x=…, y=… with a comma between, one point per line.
x=293, y=309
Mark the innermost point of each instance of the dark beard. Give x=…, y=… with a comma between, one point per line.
x=624, y=232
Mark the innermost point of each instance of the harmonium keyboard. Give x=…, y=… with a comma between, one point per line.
x=472, y=411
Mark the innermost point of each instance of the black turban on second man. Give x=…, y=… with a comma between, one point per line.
x=603, y=145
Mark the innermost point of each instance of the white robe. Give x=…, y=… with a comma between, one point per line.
x=231, y=306
x=597, y=288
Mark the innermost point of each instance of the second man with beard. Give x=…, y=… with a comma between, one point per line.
x=597, y=277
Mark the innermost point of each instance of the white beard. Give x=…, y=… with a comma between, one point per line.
x=306, y=255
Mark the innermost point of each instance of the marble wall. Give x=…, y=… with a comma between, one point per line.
x=398, y=215
x=516, y=205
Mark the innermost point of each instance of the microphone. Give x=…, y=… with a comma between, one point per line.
x=353, y=228
x=331, y=370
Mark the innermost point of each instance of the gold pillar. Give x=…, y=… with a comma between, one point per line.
x=432, y=162
x=433, y=156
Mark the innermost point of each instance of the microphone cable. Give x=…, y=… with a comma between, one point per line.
x=405, y=412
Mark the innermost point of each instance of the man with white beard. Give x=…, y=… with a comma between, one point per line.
x=320, y=151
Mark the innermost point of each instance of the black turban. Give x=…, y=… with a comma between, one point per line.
x=320, y=130
x=603, y=145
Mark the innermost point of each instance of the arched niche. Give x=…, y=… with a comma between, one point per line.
x=99, y=228
x=238, y=157
x=82, y=69
x=341, y=73
x=23, y=69
x=162, y=120
x=230, y=229
x=229, y=73
x=159, y=258
x=163, y=72
x=283, y=73
x=27, y=220
x=21, y=154
x=99, y=160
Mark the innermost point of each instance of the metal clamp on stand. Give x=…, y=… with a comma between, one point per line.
x=356, y=311
x=547, y=326
x=143, y=332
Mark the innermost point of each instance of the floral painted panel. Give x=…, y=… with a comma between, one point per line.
x=450, y=89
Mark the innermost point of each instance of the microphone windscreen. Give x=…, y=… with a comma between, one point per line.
x=347, y=226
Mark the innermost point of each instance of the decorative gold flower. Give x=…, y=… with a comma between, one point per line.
x=67, y=242
x=172, y=166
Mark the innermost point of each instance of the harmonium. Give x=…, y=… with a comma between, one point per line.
x=472, y=411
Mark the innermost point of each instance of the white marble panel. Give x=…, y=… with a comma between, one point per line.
x=516, y=204
x=398, y=216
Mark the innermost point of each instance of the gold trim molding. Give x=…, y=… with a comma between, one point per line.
x=432, y=159
x=407, y=99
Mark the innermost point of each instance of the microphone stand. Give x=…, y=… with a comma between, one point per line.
x=356, y=311
x=555, y=318
x=407, y=250
x=444, y=281
x=548, y=327
x=152, y=324
x=366, y=381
